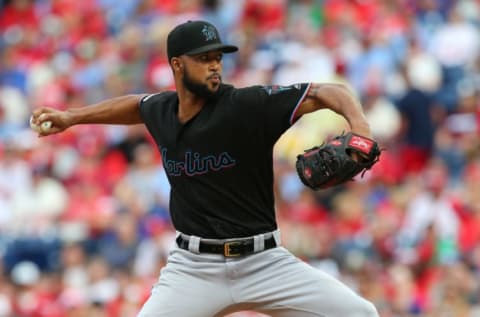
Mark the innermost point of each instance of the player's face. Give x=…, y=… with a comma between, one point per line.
x=202, y=74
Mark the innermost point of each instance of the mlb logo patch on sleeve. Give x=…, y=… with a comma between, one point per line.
x=275, y=89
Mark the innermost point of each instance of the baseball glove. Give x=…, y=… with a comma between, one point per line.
x=335, y=162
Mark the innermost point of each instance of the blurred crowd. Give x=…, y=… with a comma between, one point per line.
x=84, y=223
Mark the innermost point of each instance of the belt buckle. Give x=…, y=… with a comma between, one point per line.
x=227, y=252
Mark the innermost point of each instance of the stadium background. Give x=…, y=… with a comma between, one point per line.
x=84, y=226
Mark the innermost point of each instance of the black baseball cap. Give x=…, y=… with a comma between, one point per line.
x=195, y=37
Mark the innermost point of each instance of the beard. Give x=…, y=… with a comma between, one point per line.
x=198, y=89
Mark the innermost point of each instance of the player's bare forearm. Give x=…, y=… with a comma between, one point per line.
x=119, y=110
x=339, y=99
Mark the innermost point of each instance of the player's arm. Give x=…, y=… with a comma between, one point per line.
x=339, y=99
x=119, y=110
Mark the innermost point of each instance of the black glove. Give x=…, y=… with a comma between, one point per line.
x=337, y=161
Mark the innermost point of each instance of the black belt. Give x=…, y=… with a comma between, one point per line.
x=231, y=248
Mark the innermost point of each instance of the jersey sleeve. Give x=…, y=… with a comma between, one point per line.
x=285, y=100
x=273, y=107
x=151, y=111
x=146, y=106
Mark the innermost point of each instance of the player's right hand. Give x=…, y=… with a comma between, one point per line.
x=60, y=120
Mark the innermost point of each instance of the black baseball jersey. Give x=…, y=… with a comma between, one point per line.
x=220, y=162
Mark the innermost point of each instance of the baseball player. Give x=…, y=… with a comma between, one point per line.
x=216, y=143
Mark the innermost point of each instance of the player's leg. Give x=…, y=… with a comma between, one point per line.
x=190, y=285
x=285, y=286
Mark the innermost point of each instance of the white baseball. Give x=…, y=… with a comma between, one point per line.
x=45, y=126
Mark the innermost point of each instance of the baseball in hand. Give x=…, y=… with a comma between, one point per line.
x=44, y=127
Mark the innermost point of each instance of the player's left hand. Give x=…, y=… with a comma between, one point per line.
x=337, y=161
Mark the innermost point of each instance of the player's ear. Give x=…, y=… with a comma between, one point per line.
x=177, y=64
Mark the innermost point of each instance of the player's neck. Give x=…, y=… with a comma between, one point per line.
x=188, y=106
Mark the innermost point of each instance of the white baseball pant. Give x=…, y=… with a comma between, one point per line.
x=273, y=282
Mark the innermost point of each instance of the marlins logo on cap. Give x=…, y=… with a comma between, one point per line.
x=209, y=32
x=195, y=37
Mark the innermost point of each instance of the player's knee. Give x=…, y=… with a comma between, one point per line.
x=357, y=307
x=372, y=310
x=367, y=309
